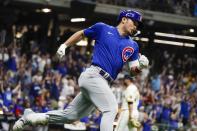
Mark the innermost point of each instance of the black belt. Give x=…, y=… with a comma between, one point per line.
x=104, y=74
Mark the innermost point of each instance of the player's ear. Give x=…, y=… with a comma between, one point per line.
x=124, y=19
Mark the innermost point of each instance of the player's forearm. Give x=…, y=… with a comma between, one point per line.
x=76, y=37
x=130, y=104
x=71, y=41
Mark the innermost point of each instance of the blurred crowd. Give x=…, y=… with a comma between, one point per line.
x=31, y=77
x=180, y=7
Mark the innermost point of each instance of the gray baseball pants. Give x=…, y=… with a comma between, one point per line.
x=95, y=93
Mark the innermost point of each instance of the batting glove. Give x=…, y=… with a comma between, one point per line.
x=61, y=51
x=143, y=62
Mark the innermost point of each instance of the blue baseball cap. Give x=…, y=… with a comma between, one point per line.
x=133, y=15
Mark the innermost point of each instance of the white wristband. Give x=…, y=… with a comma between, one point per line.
x=64, y=46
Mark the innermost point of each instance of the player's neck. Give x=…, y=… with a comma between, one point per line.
x=121, y=31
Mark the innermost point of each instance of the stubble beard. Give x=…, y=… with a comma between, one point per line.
x=132, y=32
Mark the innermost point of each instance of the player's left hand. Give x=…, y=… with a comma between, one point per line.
x=143, y=61
x=135, y=123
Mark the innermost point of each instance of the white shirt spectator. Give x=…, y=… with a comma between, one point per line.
x=66, y=89
x=41, y=64
x=4, y=57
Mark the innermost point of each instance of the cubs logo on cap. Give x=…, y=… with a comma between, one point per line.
x=133, y=15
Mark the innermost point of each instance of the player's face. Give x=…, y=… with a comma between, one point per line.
x=130, y=26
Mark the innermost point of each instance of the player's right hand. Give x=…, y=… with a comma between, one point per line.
x=143, y=61
x=61, y=51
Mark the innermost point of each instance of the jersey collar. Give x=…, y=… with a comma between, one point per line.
x=120, y=36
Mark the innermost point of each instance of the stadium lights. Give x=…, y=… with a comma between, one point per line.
x=175, y=36
x=19, y=35
x=141, y=39
x=189, y=45
x=82, y=43
x=46, y=10
x=78, y=20
x=144, y=39
x=191, y=30
x=93, y=42
x=174, y=43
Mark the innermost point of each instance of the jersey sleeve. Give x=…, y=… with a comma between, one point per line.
x=93, y=31
x=133, y=60
x=135, y=55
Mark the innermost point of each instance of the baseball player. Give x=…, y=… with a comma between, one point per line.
x=113, y=48
x=130, y=117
